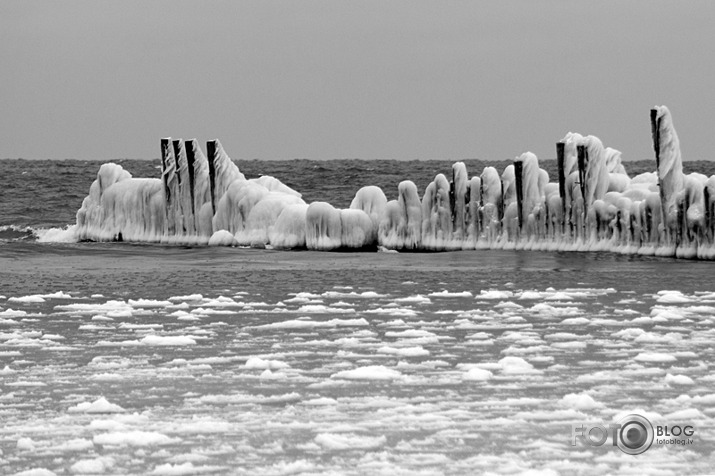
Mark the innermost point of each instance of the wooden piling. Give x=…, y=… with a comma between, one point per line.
x=211, y=154
x=560, y=156
x=582, y=153
x=679, y=235
x=166, y=151
x=452, y=203
x=582, y=164
x=655, y=131
x=190, y=159
x=480, y=213
x=500, y=208
x=177, y=143
x=518, y=171
x=164, y=163
x=709, y=219
x=177, y=150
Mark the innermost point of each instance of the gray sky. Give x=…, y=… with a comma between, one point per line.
x=365, y=79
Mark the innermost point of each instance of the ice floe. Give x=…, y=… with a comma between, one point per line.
x=309, y=323
x=477, y=375
x=654, y=357
x=370, y=372
x=101, y=405
x=132, y=438
x=238, y=386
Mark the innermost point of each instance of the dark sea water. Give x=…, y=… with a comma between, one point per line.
x=120, y=358
x=48, y=193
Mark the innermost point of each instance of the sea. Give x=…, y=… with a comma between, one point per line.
x=126, y=358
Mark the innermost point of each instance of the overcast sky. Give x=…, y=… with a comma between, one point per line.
x=361, y=79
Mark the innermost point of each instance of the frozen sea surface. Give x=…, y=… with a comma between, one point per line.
x=127, y=359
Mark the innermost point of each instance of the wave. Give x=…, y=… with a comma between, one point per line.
x=10, y=233
x=19, y=233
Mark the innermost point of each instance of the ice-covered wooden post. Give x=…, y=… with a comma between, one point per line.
x=190, y=160
x=164, y=159
x=500, y=208
x=582, y=164
x=518, y=170
x=166, y=163
x=177, y=145
x=560, y=153
x=582, y=154
x=480, y=216
x=211, y=153
x=453, y=203
x=177, y=150
x=655, y=131
x=709, y=219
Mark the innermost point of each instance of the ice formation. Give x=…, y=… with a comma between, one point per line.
x=593, y=205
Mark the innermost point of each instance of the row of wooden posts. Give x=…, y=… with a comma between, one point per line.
x=582, y=158
x=173, y=148
x=176, y=149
